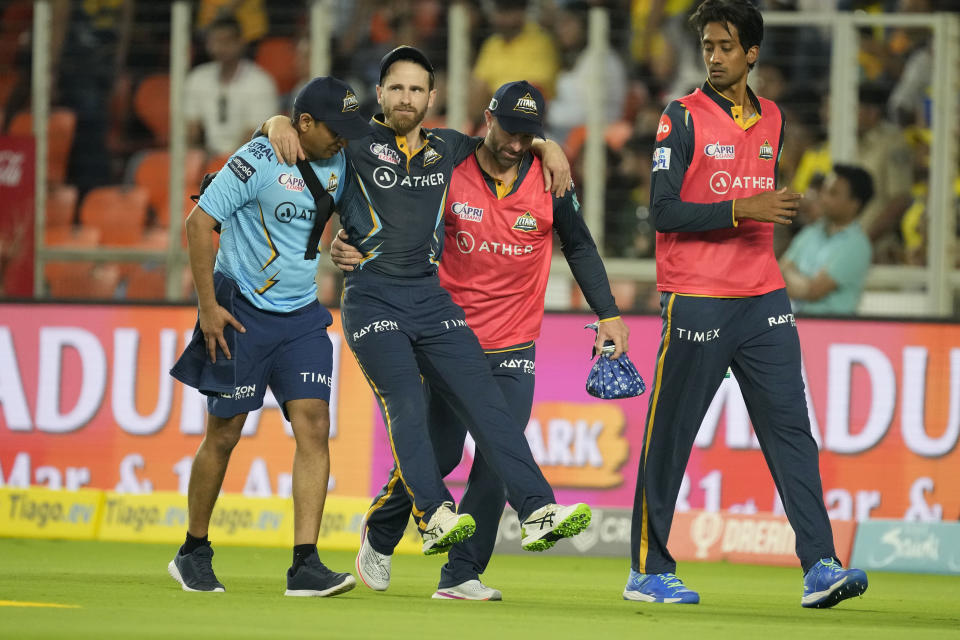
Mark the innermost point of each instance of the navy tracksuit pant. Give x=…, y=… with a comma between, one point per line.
x=402, y=328
x=757, y=338
x=484, y=497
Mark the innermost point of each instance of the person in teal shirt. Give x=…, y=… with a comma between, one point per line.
x=826, y=264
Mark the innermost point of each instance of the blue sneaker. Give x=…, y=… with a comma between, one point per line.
x=827, y=583
x=658, y=587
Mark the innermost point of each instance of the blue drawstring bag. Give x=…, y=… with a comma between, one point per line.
x=611, y=379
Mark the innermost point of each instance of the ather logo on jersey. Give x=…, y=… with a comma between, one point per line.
x=466, y=243
x=721, y=182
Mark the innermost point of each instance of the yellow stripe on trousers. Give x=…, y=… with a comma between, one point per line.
x=391, y=485
x=644, y=518
x=386, y=415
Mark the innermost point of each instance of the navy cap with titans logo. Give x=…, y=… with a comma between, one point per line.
x=335, y=104
x=405, y=52
x=518, y=107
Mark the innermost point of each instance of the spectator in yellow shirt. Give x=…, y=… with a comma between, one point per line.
x=519, y=49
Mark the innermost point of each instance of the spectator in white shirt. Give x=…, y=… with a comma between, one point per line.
x=228, y=97
x=568, y=109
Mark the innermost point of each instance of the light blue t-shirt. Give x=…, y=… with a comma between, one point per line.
x=266, y=212
x=845, y=256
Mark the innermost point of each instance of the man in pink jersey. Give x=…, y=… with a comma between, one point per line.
x=714, y=203
x=498, y=237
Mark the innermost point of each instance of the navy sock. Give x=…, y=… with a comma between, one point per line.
x=191, y=544
x=301, y=552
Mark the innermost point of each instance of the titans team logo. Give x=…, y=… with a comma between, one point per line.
x=430, y=156
x=525, y=223
x=766, y=150
x=350, y=102
x=527, y=104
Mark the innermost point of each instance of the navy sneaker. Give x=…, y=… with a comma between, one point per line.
x=313, y=578
x=194, y=571
x=827, y=583
x=658, y=587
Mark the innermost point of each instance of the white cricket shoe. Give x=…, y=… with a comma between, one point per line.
x=373, y=567
x=469, y=590
x=552, y=522
x=445, y=529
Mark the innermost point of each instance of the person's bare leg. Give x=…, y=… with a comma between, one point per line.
x=310, y=418
x=209, y=467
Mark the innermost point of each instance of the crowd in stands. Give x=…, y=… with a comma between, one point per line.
x=110, y=63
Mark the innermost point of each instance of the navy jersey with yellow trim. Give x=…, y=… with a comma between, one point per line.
x=671, y=159
x=392, y=207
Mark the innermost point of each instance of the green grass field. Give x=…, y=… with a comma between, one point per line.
x=122, y=590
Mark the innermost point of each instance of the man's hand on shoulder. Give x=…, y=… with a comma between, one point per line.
x=556, y=167
x=284, y=139
x=778, y=206
x=343, y=254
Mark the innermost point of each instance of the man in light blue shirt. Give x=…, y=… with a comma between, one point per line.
x=259, y=323
x=826, y=264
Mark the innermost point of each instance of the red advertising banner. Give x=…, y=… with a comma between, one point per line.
x=16, y=217
x=86, y=401
x=760, y=538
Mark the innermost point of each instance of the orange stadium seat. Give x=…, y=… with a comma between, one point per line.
x=61, y=205
x=120, y=214
x=152, y=172
x=214, y=164
x=151, y=103
x=72, y=237
x=81, y=280
x=144, y=283
x=62, y=124
x=278, y=57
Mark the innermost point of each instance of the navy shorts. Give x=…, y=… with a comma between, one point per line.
x=291, y=352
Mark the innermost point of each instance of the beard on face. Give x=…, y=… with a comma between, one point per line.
x=403, y=122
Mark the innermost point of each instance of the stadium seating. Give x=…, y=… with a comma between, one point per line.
x=119, y=213
x=71, y=237
x=61, y=206
x=146, y=283
x=151, y=103
x=278, y=56
x=62, y=124
x=151, y=170
x=214, y=164
x=82, y=280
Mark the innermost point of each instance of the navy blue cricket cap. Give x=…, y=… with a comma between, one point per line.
x=518, y=107
x=404, y=52
x=335, y=104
